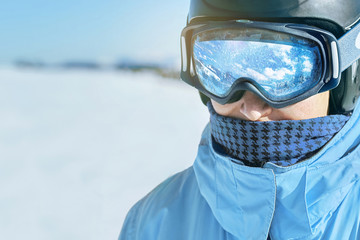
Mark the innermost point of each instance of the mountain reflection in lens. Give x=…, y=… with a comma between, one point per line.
x=281, y=68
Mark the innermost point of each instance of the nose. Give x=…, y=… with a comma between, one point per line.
x=253, y=108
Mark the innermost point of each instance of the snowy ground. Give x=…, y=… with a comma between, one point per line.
x=78, y=149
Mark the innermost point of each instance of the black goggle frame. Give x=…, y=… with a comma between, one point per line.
x=327, y=43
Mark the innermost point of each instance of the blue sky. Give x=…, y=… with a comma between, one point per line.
x=55, y=31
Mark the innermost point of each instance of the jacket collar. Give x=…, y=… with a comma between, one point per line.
x=285, y=202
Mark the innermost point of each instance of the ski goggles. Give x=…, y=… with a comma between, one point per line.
x=282, y=63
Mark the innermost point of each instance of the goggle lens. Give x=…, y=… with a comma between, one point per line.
x=279, y=65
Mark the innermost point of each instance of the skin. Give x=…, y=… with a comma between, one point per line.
x=252, y=108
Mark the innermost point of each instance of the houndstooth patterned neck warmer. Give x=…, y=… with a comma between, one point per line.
x=283, y=142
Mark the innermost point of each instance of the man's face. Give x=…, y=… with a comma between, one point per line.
x=252, y=108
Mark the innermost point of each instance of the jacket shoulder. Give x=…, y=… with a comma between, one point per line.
x=170, y=204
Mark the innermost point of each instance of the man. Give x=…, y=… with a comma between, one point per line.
x=280, y=158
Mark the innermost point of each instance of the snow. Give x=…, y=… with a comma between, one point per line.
x=79, y=148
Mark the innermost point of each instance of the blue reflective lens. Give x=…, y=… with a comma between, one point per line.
x=281, y=66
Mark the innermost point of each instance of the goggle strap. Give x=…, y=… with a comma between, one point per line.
x=349, y=47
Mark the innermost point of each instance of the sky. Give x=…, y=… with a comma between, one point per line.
x=93, y=30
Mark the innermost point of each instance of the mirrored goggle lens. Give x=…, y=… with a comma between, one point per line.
x=281, y=66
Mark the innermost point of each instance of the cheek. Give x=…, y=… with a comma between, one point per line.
x=226, y=109
x=313, y=107
x=294, y=112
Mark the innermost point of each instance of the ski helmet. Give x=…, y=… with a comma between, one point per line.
x=334, y=16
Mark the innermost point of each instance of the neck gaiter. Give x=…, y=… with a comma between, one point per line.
x=283, y=143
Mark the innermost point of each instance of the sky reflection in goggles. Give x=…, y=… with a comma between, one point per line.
x=281, y=66
x=282, y=63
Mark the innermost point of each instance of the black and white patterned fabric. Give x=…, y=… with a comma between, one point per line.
x=283, y=142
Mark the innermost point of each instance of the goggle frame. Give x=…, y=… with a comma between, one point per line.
x=326, y=41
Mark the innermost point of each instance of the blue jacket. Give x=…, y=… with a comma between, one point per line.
x=217, y=199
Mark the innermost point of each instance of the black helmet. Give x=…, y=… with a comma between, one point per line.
x=334, y=16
